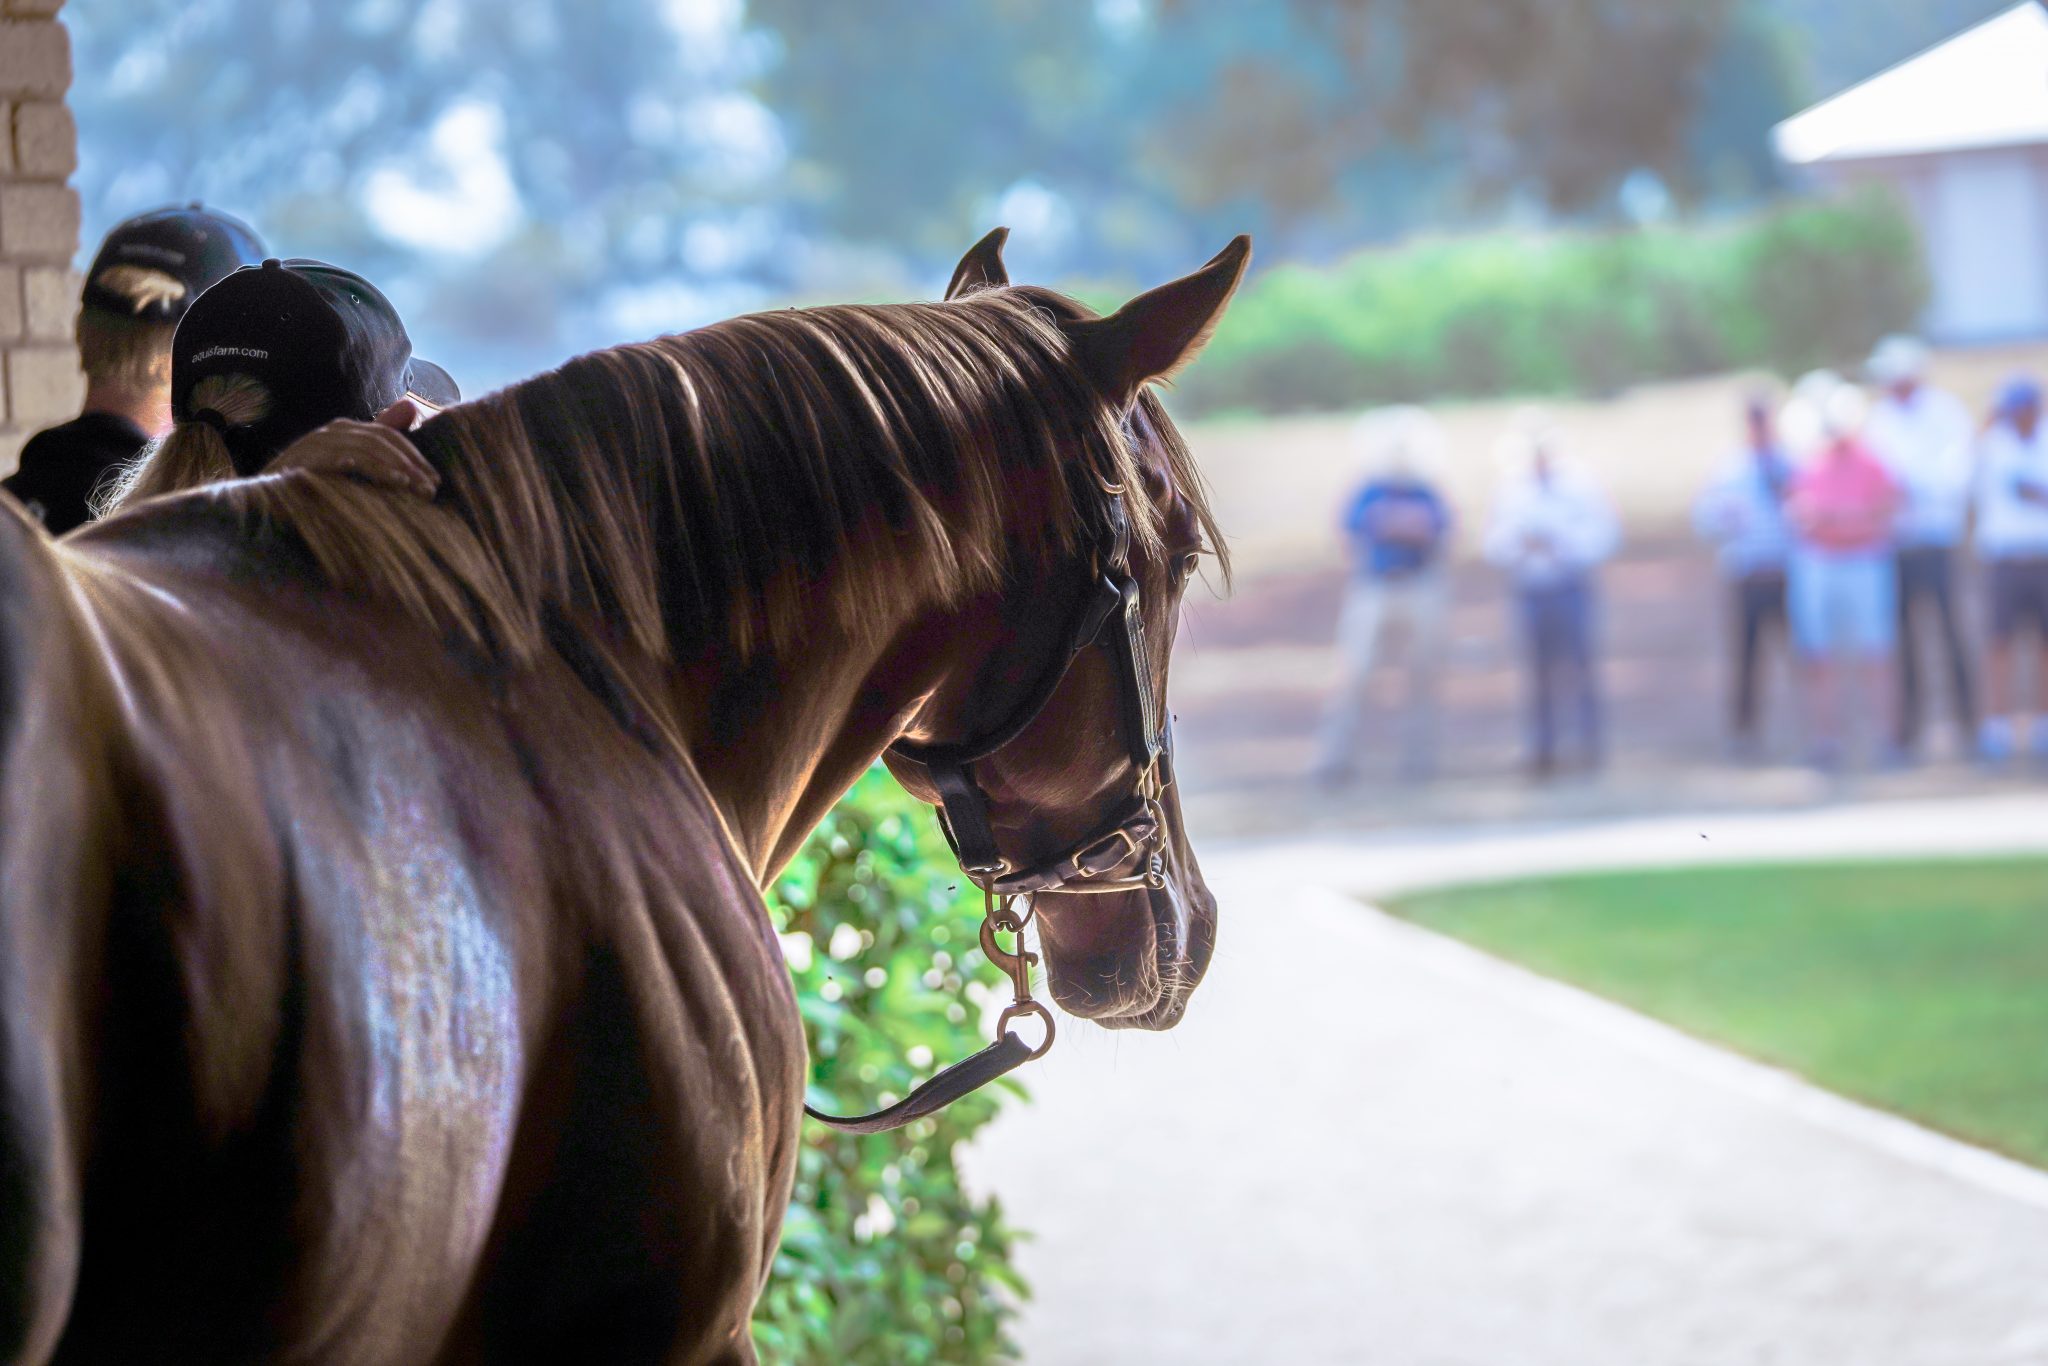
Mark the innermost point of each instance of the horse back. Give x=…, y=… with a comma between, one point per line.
x=57, y=791
x=438, y=1020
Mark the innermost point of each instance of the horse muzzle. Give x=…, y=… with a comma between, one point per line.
x=1127, y=960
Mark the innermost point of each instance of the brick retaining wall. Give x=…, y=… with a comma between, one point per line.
x=39, y=378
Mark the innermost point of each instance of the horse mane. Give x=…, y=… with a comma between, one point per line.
x=700, y=491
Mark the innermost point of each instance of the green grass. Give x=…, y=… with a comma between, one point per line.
x=1921, y=988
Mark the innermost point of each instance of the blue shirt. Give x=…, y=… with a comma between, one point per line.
x=1375, y=509
x=1743, y=512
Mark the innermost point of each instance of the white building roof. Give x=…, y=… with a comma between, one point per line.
x=1985, y=87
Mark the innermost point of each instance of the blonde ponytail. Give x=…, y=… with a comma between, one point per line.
x=194, y=452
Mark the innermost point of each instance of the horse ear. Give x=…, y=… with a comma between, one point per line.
x=982, y=267
x=1155, y=335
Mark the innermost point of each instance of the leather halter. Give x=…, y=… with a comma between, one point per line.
x=1127, y=855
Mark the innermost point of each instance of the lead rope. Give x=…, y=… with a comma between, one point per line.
x=1006, y=1054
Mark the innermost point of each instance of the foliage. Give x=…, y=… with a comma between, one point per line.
x=1912, y=986
x=500, y=170
x=530, y=180
x=909, y=120
x=1556, y=99
x=1848, y=40
x=1587, y=313
x=885, y=1258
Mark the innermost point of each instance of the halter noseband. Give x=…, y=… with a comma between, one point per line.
x=1128, y=855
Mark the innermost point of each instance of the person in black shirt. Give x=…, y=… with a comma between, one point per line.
x=147, y=273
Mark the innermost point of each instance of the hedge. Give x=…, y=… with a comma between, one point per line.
x=885, y=1257
x=1810, y=283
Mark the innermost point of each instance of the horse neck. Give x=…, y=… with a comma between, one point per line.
x=781, y=737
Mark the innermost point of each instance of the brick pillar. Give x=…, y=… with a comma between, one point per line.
x=39, y=378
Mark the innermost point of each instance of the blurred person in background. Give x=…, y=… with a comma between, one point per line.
x=1552, y=528
x=1743, y=514
x=1841, y=586
x=1397, y=528
x=2012, y=539
x=1926, y=438
x=147, y=273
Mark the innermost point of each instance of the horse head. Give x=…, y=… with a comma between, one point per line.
x=1050, y=753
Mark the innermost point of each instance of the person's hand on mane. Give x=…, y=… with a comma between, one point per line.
x=376, y=451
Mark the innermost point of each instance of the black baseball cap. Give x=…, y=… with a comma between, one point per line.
x=323, y=340
x=195, y=245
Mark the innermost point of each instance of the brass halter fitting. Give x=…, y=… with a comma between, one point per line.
x=999, y=918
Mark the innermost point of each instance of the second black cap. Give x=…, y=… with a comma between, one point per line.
x=194, y=245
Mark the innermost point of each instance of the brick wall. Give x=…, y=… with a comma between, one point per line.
x=39, y=378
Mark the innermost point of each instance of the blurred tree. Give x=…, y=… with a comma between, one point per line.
x=1555, y=100
x=914, y=127
x=533, y=179
x=1155, y=127
x=1848, y=40
x=530, y=159
x=910, y=119
x=1752, y=82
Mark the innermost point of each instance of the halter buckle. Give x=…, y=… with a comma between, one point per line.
x=1084, y=861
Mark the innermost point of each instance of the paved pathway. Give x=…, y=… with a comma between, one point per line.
x=1369, y=1145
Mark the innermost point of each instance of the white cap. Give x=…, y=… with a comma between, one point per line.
x=1802, y=422
x=1844, y=411
x=1897, y=359
x=1531, y=432
x=1404, y=441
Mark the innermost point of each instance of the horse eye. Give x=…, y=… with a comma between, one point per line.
x=1189, y=563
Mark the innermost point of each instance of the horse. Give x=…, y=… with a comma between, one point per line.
x=385, y=974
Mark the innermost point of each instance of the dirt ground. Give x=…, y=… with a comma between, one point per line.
x=1252, y=671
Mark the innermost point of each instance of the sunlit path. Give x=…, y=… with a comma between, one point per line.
x=1364, y=1148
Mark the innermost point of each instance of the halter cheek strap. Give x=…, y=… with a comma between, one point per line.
x=966, y=820
x=963, y=804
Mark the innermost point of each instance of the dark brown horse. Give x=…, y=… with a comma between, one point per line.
x=384, y=975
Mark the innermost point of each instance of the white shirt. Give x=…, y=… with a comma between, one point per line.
x=1545, y=531
x=2008, y=526
x=1926, y=444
